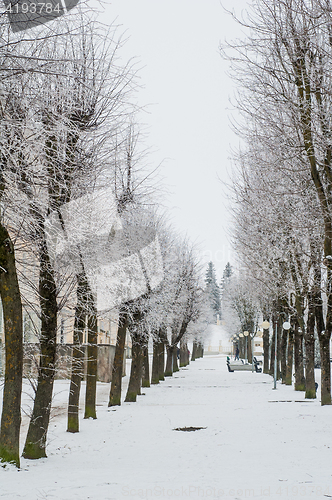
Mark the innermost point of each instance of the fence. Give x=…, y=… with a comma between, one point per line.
x=218, y=349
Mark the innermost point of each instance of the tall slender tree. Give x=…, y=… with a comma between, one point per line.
x=213, y=290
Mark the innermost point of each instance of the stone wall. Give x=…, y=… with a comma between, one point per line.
x=106, y=354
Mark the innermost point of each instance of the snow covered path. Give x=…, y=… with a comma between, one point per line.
x=252, y=447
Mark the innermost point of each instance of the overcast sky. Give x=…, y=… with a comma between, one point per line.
x=186, y=87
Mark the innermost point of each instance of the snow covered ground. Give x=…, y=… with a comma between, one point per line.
x=252, y=446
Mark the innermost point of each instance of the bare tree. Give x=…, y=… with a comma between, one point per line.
x=285, y=72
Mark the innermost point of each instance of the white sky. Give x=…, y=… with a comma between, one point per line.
x=187, y=90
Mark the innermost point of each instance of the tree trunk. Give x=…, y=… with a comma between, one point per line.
x=273, y=343
x=324, y=342
x=243, y=347
x=194, y=353
x=77, y=355
x=155, y=362
x=162, y=360
x=169, y=361
x=35, y=444
x=146, y=368
x=290, y=353
x=266, y=347
x=116, y=383
x=92, y=353
x=12, y=313
x=187, y=355
x=135, y=380
x=279, y=354
x=249, y=348
x=183, y=354
x=200, y=350
x=283, y=355
x=175, y=359
x=298, y=359
x=310, y=390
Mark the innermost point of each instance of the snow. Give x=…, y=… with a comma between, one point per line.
x=252, y=447
x=217, y=340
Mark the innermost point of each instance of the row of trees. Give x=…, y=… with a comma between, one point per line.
x=283, y=181
x=242, y=312
x=73, y=200
x=215, y=292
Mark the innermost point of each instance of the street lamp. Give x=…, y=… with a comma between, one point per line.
x=246, y=336
x=286, y=326
x=265, y=325
x=260, y=334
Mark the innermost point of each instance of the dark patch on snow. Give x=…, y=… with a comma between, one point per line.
x=291, y=401
x=189, y=429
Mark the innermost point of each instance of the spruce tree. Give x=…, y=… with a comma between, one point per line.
x=228, y=271
x=226, y=277
x=212, y=289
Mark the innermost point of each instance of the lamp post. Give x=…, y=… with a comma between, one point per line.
x=246, y=336
x=286, y=326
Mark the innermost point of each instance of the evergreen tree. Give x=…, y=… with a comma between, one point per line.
x=212, y=289
x=226, y=277
x=228, y=271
